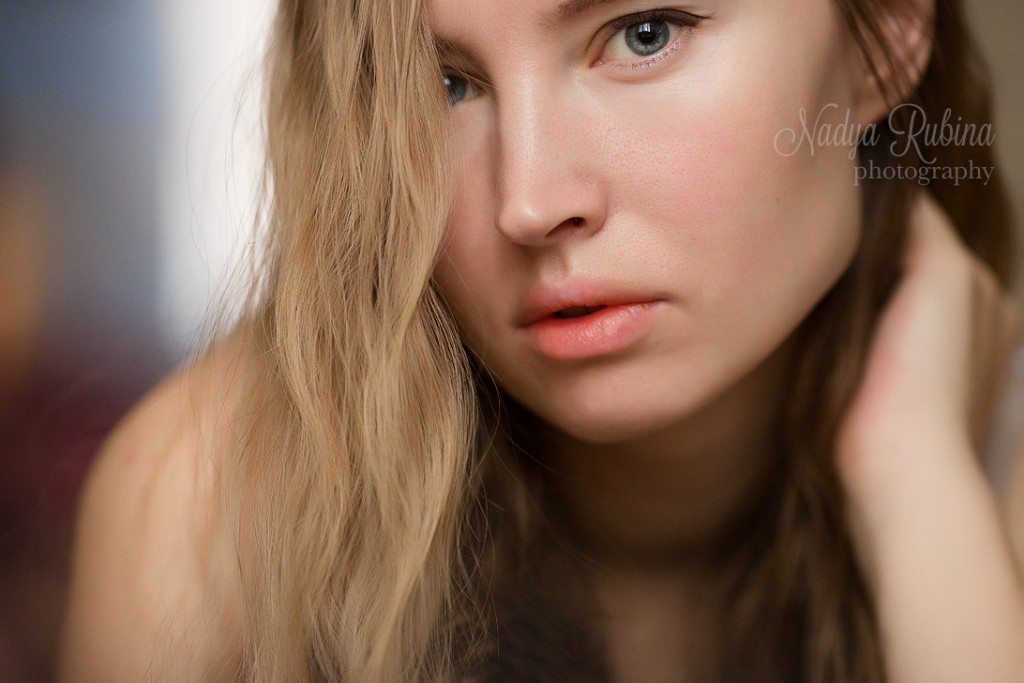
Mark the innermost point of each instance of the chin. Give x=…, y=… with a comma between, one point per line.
x=630, y=404
x=612, y=431
x=611, y=417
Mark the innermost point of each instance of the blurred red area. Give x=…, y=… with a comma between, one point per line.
x=50, y=428
x=79, y=94
x=57, y=404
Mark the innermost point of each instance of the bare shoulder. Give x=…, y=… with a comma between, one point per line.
x=153, y=585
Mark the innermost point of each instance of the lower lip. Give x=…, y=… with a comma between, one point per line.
x=610, y=330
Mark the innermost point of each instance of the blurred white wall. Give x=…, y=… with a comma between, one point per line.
x=212, y=152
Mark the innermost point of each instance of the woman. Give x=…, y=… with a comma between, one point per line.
x=601, y=363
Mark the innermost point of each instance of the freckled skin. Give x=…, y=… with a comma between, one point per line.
x=681, y=192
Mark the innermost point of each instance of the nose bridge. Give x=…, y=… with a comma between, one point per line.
x=542, y=177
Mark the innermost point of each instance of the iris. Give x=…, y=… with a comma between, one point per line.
x=648, y=37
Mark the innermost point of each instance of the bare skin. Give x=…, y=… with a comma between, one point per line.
x=930, y=536
x=650, y=483
x=928, y=529
x=143, y=603
x=136, y=610
x=583, y=159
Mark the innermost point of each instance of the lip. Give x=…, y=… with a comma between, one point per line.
x=624, y=317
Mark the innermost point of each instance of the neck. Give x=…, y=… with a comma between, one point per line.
x=678, y=498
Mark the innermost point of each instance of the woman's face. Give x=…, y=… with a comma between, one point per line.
x=619, y=160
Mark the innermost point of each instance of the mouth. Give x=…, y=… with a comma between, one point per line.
x=577, y=311
x=578, y=300
x=580, y=332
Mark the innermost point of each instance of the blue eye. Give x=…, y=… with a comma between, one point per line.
x=639, y=40
x=648, y=37
x=459, y=88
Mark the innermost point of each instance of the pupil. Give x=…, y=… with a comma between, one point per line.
x=647, y=37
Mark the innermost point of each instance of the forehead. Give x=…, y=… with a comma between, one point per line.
x=546, y=11
x=450, y=18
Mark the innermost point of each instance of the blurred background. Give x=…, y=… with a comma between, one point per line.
x=129, y=149
x=129, y=154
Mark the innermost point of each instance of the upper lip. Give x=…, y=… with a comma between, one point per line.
x=544, y=301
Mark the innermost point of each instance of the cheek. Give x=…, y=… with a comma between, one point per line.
x=757, y=237
x=464, y=287
x=746, y=239
x=475, y=268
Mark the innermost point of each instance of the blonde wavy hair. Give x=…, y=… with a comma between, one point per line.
x=373, y=498
x=351, y=476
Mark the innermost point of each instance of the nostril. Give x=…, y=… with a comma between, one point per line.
x=576, y=221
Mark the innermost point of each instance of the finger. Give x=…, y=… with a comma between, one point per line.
x=994, y=334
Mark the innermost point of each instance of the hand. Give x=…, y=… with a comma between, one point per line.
x=926, y=526
x=936, y=363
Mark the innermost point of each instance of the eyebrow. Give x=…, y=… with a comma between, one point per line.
x=571, y=9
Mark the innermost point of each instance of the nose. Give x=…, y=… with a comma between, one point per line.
x=547, y=187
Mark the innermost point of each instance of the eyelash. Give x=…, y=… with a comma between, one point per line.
x=685, y=21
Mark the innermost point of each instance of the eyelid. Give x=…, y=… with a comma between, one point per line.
x=454, y=62
x=677, y=16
